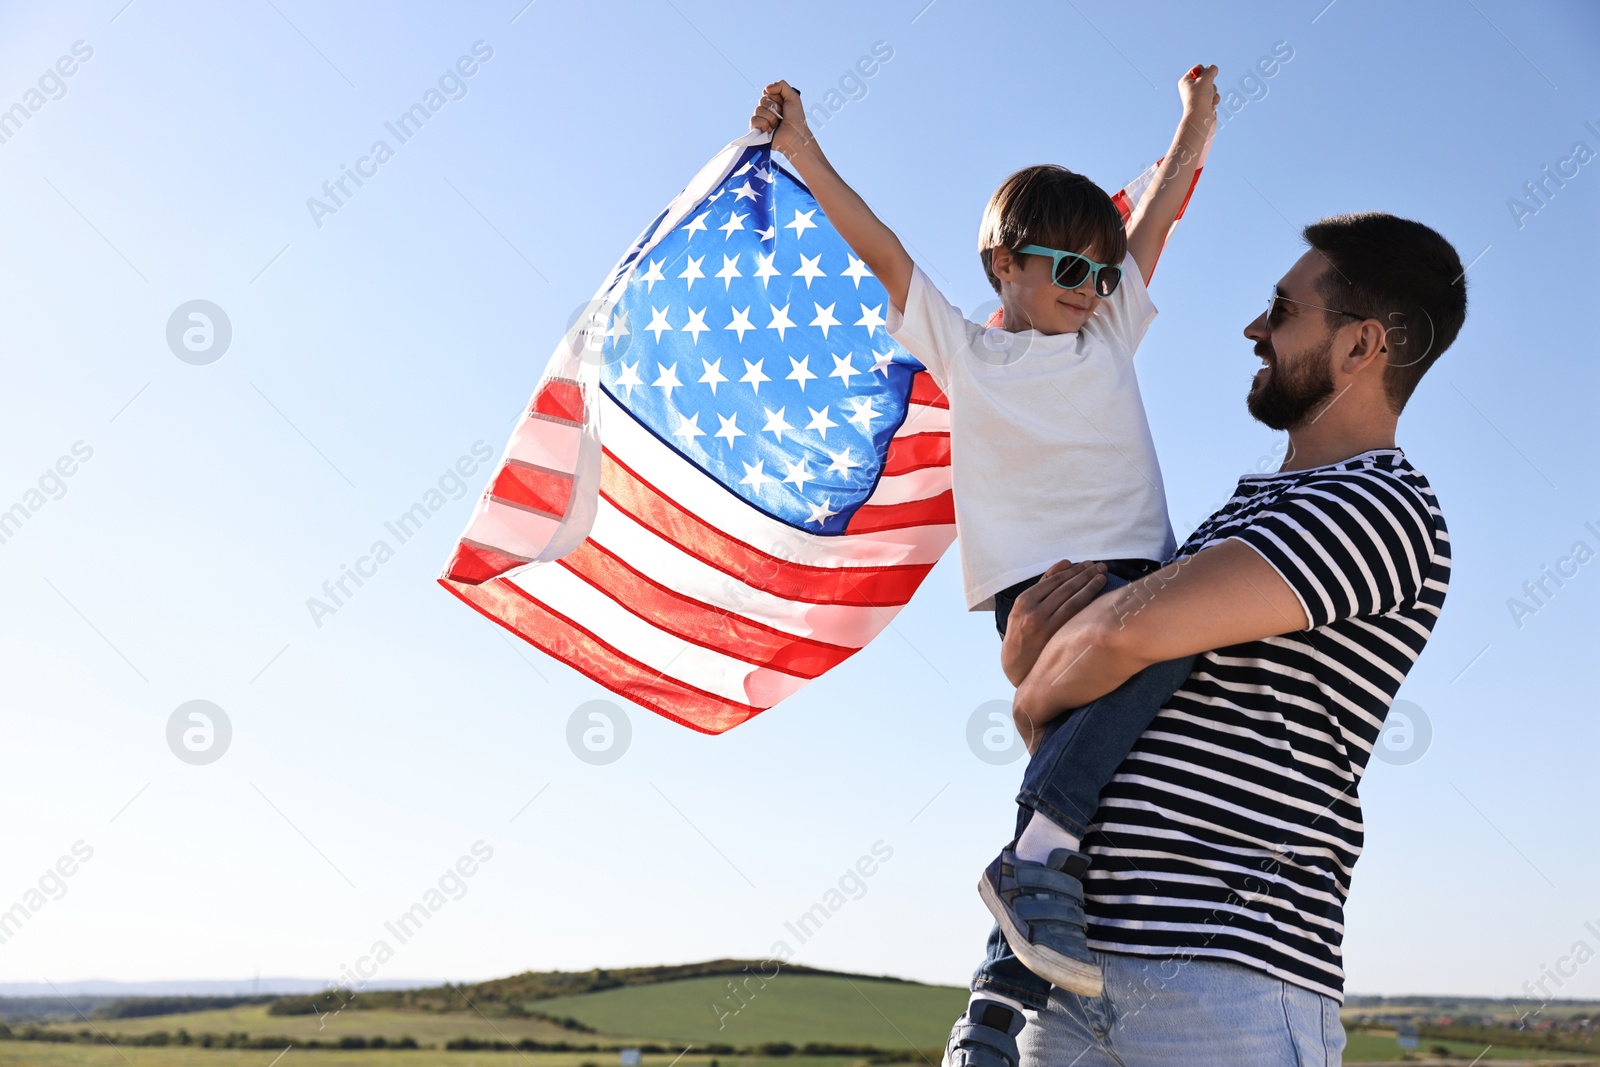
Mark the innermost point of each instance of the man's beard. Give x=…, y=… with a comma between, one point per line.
x=1288, y=396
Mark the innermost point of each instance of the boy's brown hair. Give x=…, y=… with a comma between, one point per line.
x=1055, y=207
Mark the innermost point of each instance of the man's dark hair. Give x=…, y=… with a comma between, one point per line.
x=1055, y=207
x=1401, y=273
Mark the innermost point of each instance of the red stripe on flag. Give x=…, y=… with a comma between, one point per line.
x=473, y=563
x=924, y=390
x=533, y=487
x=855, y=586
x=1192, y=183
x=916, y=451
x=930, y=511
x=1124, y=205
x=705, y=625
x=559, y=399
x=580, y=649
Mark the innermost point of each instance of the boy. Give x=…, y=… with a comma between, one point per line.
x=1052, y=460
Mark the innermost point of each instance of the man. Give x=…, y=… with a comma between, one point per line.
x=1222, y=850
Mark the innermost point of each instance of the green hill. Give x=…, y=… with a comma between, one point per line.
x=529, y=986
x=796, y=1008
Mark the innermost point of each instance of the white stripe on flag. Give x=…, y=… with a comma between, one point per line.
x=672, y=656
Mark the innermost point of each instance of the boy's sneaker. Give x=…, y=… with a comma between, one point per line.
x=1039, y=907
x=984, y=1036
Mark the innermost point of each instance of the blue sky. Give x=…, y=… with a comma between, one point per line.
x=372, y=352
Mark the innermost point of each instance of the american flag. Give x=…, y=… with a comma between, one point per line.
x=730, y=478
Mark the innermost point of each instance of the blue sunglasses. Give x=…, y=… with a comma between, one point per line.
x=1070, y=270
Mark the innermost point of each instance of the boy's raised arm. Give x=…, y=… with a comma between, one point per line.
x=1151, y=221
x=779, y=112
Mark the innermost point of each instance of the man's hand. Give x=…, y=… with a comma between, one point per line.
x=1223, y=595
x=780, y=113
x=1043, y=608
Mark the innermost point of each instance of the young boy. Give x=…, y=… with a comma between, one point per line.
x=1052, y=461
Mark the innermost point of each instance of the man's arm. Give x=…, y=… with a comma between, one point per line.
x=781, y=113
x=1221, y=596
x=1158, y=210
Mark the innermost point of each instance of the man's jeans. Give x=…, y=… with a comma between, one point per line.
x=1078, y=754
x=1195, y=1012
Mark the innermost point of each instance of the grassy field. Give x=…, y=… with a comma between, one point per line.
x=428, y=1027
x=37, y=1054
x=793, y=1008
x=1366, y=1047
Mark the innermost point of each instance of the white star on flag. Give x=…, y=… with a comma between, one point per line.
x=697, y=324
x=653, y=275
x=809, y=269
x=802, y=222
x=629, y=377
x=744, y=192
x=800, y=371
x=753, y=374
x=870, y=318
x=619, y=326
x=667, y=378
x=843, y=369
x=842, y=462
x=864, y=414
x=820, y=421
x=764, y=268
x=820, y=513
x=856, y=270
x=754, y=476
x=735, y=222
x=825, y=318
x=798, y=474
x=730, y=428
x=775, y=424
x=729, y=271
x=658, y=321
x=713, y=375
x=780, y=320
x=692, y=271
x=741, y=322
x=689, y=428
x=698, y=224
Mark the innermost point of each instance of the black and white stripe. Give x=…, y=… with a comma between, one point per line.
x=1231, y=829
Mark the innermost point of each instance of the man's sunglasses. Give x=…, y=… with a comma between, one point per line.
x=1069, y=270
x=1273, y=318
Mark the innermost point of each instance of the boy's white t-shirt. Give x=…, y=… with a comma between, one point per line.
x=1050, y=452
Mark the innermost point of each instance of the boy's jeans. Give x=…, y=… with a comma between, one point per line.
x=1078, y=754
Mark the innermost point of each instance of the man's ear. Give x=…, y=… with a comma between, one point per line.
x=1365, y=348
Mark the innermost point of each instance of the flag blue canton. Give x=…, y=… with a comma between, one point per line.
x=752, y=341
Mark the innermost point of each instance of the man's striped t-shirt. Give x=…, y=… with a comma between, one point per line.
x=1231, y=829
